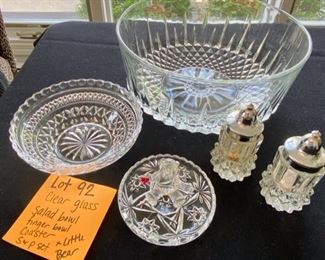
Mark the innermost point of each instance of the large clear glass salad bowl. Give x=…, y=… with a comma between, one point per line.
x=76, y=126
x=191, y=63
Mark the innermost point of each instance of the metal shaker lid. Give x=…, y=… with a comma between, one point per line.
x=306, y=150
x=245, y=122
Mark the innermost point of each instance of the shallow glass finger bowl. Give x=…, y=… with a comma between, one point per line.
x=76, y=126
x=191, y=63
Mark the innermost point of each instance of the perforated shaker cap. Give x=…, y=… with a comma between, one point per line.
x=306, y=150
x=245, y=122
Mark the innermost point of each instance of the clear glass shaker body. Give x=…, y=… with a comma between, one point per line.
x=287, y=184
x=234, y=155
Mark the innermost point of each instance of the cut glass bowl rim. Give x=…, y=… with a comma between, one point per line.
x=209, y=219
x=220, y=81
x=47, y=92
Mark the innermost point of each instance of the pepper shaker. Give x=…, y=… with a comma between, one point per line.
x=287, y=184
x=234, y=155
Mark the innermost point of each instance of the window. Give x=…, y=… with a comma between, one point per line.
x=304, y=10
x=311, y=12
x=26, y=19
x=43, y=11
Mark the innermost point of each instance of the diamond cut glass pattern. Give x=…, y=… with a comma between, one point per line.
x=76, y=126
x=190, y=71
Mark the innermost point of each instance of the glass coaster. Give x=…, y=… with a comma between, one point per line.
x=166, y=200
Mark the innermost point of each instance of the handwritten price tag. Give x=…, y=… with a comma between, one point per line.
x=62, y=219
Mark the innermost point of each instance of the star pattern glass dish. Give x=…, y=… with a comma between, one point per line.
x=76, y=126
x=192, y=67
x=166, y=200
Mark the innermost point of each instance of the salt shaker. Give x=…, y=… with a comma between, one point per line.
x=287, y=184
x=234, y=155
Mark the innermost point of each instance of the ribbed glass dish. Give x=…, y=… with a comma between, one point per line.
x=76, y=126
x=191, y=63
